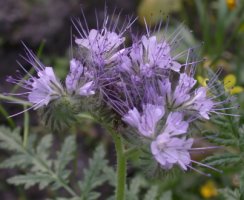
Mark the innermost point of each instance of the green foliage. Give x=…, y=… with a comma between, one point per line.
x=229, y=194
x=166, y=196
x=53, y=173
x=151, y=193
x=96, y=175
x=140, y=188
x=229, y=136
x=217, y=41
x=227, y=131
x=29, y=180
x=64, y=156
x=134, y=188
x=242, y=183
x=35, y=160
x=11, y=140
x=223, y=159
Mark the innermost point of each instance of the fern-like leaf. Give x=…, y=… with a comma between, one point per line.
x=134, y=188
x=166, y=196
x=65, y=156
x=18, y=160
x=229, y=194
x=93, y=176
x=42, y=149
x=35, y=159
x=32, y=179
x=223, y=159
x=10, y=140
x=110, y=175
x=152, y=193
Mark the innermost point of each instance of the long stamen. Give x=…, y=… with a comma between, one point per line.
x=207, y=166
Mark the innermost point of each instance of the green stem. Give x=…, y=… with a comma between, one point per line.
x=9, y=98
x=121, y=166
x=120, y=155
x=26, y=127
x=5, y=114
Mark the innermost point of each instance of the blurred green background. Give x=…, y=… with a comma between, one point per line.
x=217, y=26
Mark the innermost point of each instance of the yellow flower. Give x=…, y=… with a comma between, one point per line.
x=229, y=84
x=202, y=81
x=231, y=4
x=209, y=190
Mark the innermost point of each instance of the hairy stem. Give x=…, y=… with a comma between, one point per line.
x=26, y=127
x=121, y=166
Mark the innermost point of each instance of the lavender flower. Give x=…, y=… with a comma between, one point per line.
x=44, y=88
x=100, y=46
x=76, y=81
x=175, y=125
x=185, y=98
x=104, y=45
x=171, y=146
x=200, y=102
x=145, y=122
x=169, y=150
x=41, y=89
x=182, y=93
x=148, y=56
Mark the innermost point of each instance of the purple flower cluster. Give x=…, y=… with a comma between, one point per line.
x=158, y=97
x=153, y=93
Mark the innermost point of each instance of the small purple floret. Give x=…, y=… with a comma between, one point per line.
x=44, y=88
x=76, y=82
x=146, y=121
x=170, y=150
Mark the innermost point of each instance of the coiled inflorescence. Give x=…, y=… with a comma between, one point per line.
x=152, y=91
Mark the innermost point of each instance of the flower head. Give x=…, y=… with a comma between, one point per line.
x=202, y=81
x=175, y=125
x=200, y=103
x=76, y=81
x=169, y=150
x=209, y=190
x=41, y=89
x=100, y=46
x=171, y=146
x=230, y=84
x=185, y=98
x=148, y=56
x=231, y=4
x=44, y=88
x=181, y=93
x=146, y=121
